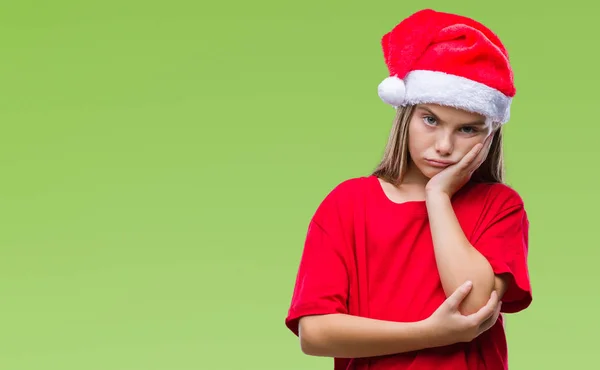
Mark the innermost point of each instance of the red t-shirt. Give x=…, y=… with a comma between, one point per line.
x=365, y=255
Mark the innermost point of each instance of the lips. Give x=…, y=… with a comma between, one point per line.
x=436, y=163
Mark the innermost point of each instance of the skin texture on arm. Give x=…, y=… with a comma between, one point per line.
x=457, y=259
x=459, y=141
x=455, y=256
x=346, y=336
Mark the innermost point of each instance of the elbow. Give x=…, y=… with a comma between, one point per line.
x=475, y=303
x=480, y=294
x=307, y=346
x=310, y=336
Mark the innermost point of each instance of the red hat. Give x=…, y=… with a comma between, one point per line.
x=447, y=59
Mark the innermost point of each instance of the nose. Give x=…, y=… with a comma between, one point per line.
x=444, y=144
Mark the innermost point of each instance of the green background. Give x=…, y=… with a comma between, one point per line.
x=160, y=162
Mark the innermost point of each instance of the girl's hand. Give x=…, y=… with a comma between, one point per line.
x=452, y=178
x=454, y=327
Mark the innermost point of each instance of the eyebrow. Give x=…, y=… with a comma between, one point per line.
x=478, y=122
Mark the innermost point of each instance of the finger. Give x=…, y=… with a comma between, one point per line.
x=459, y=295
x=495, y=314
x=486, y=311
x=469, y=158
x=481, y=154
x=489, y=140
x=487, y=145
x=487, y=324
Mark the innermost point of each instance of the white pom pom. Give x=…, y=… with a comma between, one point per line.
x=392, y=91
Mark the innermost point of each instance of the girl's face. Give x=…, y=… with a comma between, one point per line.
x=439, y=136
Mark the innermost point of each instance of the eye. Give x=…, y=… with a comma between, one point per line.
x=469, y=129
x=429, y=120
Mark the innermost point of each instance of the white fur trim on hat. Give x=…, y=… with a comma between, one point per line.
x=392, y=91
x=422, y=87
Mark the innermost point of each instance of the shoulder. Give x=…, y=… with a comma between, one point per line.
x=340, y=198
x=494, y=195
x=492, y=205
x=484, y=203
x=348, y=188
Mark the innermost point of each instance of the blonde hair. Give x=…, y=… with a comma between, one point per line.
x=393, y=165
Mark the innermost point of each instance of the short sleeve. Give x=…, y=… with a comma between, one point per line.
x=504, y=241
x=321, y=285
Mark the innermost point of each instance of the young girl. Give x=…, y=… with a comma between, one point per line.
x=410, y=267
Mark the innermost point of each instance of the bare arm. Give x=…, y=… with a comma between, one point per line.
x=345, y=336
x=457, y=259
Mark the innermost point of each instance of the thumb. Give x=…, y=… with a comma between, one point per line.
x=459, y=294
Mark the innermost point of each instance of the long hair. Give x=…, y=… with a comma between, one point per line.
x=393, y=165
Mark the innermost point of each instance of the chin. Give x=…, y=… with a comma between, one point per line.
x=429, y=171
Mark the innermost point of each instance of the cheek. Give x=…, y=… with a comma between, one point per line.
x=469, y=144
x=418, y=137
x=414, y=145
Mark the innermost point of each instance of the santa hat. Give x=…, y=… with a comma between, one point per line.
x=447, y=59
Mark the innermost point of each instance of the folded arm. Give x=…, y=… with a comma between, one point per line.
x=346, y=336
x=457, y=259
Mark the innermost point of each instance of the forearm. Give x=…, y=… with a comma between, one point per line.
x=346, y=336
x=457, y=260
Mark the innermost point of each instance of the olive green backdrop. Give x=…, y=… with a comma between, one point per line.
x=160, y=162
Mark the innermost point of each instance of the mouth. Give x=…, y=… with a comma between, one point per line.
x=439, y=164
